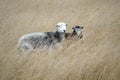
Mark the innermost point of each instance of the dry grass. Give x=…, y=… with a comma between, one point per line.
x=97, y=58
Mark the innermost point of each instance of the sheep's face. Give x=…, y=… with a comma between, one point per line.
x=61, y=27
x=77, y=29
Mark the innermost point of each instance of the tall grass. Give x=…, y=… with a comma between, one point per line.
x=95, y=57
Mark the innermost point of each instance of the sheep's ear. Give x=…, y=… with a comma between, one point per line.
x=66, y=24
x=82, y=27
x=73, y=28
x=57, y=26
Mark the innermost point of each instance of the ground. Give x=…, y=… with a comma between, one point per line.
x=97, y=58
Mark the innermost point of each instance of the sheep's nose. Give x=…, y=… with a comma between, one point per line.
x=64, y=31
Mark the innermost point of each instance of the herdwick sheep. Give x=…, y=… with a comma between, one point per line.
x=31, y=41
x=77, y=33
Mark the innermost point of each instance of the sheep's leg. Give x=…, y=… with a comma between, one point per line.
x=80, y=36
x=26, y=48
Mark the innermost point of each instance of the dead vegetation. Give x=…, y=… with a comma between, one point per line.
x=97, y=58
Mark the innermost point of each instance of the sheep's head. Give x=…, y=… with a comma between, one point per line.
x=61, y=27
x=77, y=29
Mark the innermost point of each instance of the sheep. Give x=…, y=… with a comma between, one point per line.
x=77, y=33
x=61, y=27
x=31, y=41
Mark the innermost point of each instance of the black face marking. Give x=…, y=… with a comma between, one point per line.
x=77, y=26
x=73, y=33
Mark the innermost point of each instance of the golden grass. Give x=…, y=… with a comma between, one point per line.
x=97, y=58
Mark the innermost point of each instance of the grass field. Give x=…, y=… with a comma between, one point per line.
x=97, y=58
